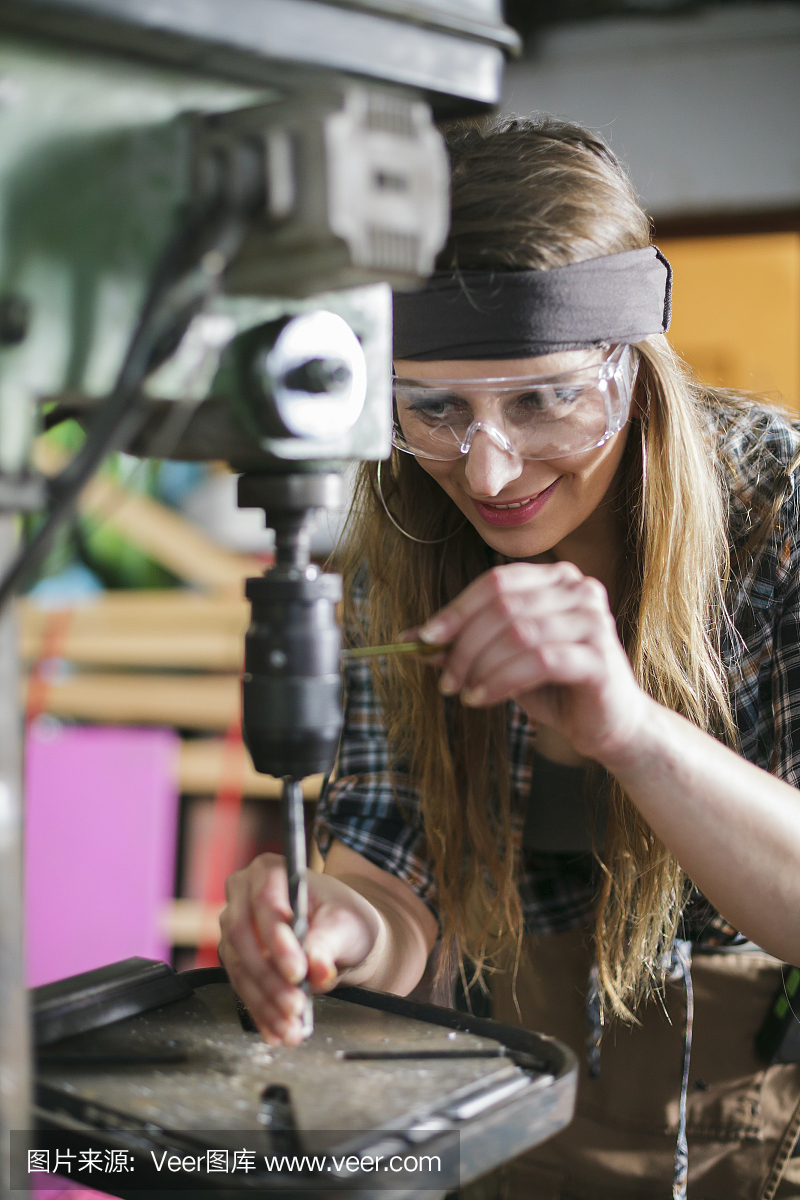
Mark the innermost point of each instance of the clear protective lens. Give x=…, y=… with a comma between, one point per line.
x=534, y=417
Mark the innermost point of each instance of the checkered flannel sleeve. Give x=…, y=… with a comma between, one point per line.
x=785, y=756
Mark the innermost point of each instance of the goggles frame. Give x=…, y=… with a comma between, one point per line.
x=619, y=368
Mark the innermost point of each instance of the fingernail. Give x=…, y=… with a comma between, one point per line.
x=325, y=970
x=434, y=631
x=447, y=684
x=473, y=697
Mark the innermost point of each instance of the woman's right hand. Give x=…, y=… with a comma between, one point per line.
x=263, y=958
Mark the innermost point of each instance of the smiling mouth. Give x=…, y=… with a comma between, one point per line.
x=514, y=512
x=512, y=503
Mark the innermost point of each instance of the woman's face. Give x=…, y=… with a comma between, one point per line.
x=548, y=499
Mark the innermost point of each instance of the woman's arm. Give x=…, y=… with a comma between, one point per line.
x=366, y=927
x=734, y=828
x=408, y=927
x=544, y=636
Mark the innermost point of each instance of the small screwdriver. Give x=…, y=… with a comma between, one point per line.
x=392, y=648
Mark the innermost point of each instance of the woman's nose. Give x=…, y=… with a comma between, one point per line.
x=489, y=468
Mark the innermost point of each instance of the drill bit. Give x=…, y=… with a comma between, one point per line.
x=294, y=841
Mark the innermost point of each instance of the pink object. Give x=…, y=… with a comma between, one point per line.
x=100, y=832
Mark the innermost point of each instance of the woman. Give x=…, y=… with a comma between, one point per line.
x=606, y=550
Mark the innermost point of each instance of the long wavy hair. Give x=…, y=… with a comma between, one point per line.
x=540, y=194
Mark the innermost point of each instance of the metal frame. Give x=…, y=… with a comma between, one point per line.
x=454, y=60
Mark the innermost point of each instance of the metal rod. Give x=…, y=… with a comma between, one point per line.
x=392, y=648
x=395, y=1055
x=294, y=842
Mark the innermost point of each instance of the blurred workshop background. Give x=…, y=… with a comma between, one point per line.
x=140, y=797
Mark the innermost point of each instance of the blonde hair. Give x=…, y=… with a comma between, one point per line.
x=539, y=194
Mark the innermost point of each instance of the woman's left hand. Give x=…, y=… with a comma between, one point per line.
x=544, y=636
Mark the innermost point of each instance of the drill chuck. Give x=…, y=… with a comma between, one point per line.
x=292, y=686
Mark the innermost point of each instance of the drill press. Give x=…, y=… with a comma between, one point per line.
x=204, y=206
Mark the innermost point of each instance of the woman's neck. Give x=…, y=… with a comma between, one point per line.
x=597, y=548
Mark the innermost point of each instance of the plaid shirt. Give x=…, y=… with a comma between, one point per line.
x=381, y=819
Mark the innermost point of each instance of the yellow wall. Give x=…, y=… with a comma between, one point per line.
x=736, y=311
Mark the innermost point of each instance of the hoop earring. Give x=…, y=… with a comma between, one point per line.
x=644, y=458
x=410, y=536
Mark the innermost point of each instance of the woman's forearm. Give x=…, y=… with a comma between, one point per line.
x=400, y=952
x=405, y=928
x=734, y=828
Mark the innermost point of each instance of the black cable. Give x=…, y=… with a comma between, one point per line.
x=187, y=273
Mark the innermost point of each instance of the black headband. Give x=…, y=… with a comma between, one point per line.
x=621, y=298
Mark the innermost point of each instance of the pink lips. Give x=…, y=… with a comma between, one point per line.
x=515, y=516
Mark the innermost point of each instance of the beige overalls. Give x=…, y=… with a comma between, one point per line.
x=743, y=1117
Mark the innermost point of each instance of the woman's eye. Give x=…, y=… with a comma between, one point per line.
x=433, y=409
x=531, y=401
x=568, y=395
x=546, y=399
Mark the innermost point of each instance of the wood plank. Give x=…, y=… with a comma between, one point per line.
x=171, y=628
x=139, y=648
x=203, y=762
x=175, y=601
x=183, y=701
x=190, y=922
x=201, y=650
x=167, y=606
x=129, y=629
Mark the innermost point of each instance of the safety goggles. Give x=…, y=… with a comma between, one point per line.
x=534, y=417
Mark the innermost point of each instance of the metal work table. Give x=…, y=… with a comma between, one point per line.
x=379, y=1074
